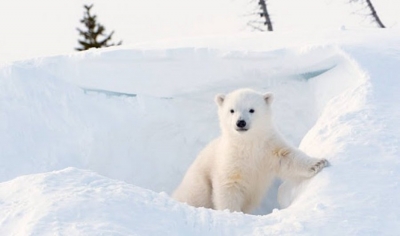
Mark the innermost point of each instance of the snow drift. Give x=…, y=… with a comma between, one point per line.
x=130, y=121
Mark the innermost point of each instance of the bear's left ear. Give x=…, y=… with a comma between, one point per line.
x=219, y=99
x=268, y=98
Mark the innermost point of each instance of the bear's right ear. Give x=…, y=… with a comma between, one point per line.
x=219, y=99
x=268, y=97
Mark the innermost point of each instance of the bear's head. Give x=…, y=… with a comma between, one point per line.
x=244, y=111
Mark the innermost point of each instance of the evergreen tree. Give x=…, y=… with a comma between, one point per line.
x=265, y=16
x=373, y=13
x=92, y=32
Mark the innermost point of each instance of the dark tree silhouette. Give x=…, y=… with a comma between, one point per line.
x=372, y=13
x=264, y=14
x=92, y=32
x=266, y=18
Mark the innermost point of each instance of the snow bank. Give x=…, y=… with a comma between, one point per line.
x=54, y=120
x=142, y=115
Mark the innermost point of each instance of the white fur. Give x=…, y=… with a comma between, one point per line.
x=235, y=170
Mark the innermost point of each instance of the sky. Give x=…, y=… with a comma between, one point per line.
x=47, y=27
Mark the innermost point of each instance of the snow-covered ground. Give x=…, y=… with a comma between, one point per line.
x=93, y=143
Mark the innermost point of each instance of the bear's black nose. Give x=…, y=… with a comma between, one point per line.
x=241, y=123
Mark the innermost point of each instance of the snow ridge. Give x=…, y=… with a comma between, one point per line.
x=102, y=161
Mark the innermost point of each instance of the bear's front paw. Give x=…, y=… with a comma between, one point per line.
x=318, y=166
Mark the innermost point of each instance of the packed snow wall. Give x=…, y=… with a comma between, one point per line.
x=142, y=116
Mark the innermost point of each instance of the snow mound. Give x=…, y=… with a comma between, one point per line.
x=138, y=117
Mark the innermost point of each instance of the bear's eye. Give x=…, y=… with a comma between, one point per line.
x=251, y=110
x=232, y=111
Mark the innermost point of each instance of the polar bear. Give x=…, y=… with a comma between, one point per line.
x=236, y=169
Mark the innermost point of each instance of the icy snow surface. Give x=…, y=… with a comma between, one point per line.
x=93, y=143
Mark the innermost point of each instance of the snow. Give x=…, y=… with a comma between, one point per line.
x=93, y=143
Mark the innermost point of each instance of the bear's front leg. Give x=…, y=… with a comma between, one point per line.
x=227, y=196
x=294, y=164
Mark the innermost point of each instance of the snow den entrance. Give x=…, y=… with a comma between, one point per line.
x=143, y=116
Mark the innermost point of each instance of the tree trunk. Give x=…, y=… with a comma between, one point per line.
x=374, y=14
x=265, y=14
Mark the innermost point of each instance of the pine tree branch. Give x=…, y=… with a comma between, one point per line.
x=255, y=27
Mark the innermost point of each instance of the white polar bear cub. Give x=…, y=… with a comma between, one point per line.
x=235, y=170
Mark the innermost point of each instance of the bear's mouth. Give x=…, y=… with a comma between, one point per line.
x=241, y=129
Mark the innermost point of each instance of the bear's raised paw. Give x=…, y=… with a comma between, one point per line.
x=318, y=166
